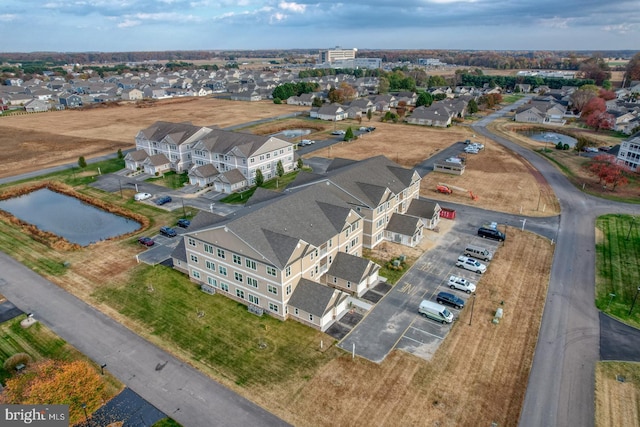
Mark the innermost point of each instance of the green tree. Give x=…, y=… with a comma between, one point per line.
x=317, y=102
x=472, y=106
x=280, y=169
x=425, y=99
x=300, y=163
x=120, y=155
x=348, y=135
x=369, y=114
x=259, y=178
x=82, y=162
x=383, y=85
x=436, y=81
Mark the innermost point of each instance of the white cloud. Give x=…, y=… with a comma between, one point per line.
x=128, y=23
x=277, y=17
x=7, y=17
x=556, y=22
x=292, y=6
x=620, y=28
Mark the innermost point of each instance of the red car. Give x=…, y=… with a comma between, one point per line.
x=147, y=241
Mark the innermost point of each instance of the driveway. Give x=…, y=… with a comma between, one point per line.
x=176, y=389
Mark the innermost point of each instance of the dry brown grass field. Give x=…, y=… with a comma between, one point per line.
x=617, y=403
x=31, y=142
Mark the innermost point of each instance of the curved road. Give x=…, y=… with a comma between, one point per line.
x=561, y=382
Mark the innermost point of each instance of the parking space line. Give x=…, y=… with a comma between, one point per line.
x=425, y=332
x=405, y=337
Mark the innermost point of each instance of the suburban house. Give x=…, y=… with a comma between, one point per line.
x=434, y=115
x=629, y=154
x=231, y=158
x=546, y=112
x=298, y=253
x=331, y=112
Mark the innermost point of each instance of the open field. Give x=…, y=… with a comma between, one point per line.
x=573, y=164
x=617, y=403
x=617, y=269
x=501, y=180
x=61, y=137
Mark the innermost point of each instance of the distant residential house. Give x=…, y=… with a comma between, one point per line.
x=202, y=176
x=155, y=92
x=19, y=99
x=542, y=112
x=13, y=81
x=427, y=210
x=404, y=229
x=36, y=106
x=331, y=112
x=70, y=100
x=134, y=160
x=409, y=97
x=304, y=99
x=246, y=96
x=132, y=94
x=438, y=116
x=524, y=88
x=156, y=164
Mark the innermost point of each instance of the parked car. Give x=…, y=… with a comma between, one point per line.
x=370, y=129
x=471, y=150
x=471, y=264
x=605, y=148
x=491, y=232
x=163, y=200
x=435, y=311
x=142, y=196
x=147, y=241
x=450, y=299
x=457, y=282
x=338, y=132
x=168, y=231
x=306, y=142
x=590, y=149
x=476, y=145
x=184, y=223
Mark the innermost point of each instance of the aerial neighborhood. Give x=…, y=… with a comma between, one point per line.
x=321, y=237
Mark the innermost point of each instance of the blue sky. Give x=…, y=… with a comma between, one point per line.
x=144, y=25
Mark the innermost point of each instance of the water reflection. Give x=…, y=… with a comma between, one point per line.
x=68, y=217
x=550, y=138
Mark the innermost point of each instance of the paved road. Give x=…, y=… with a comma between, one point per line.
x=561, y=383
x=175, y=388
x=618, y=341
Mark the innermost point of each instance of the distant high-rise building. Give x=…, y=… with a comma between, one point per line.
x=337, y=54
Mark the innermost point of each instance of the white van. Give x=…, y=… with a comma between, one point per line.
x=435, y=311
x=478, y=252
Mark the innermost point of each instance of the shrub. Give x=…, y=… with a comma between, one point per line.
x=15, y=360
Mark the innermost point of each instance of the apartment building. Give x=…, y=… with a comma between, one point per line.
x=629, y=153
x=298, y=254
x=227, y=160
x=337, y=54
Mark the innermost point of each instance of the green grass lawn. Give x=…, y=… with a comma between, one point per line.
x=276, y=184
x=510, y=99
x=171, y=180
x=617, y=266
x=237, y=345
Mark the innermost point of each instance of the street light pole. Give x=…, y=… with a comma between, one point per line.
x=634, y=300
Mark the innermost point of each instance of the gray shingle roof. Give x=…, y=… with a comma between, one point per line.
x=350, y=267
x=180, y=252
x=422, y=208
x=312, y=297
x=403, y=224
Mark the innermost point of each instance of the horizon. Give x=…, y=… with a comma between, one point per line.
x=192, y=25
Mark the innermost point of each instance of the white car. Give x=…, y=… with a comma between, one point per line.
x=457, y=282
x=477, y=146
x=471, y=264
x=471, y=150
x=142, y=196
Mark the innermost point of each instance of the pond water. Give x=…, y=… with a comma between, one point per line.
x=550, y=138
x=292, y=133
x=68, y=217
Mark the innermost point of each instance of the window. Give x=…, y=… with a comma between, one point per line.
x=192, y=242
x=346, y=234
x=335, y=279
x=237, y=259
x=296, y=311
x=213, y=282
x=354, y=242
x=249, y=263
x=349, y=285
x=272, y=289
x=195, y=274
x=240, y=293
x=288, y=289
x=311, y=317
x=287, y=271
x=254, y=299
x=354, y=226
x=224, y=286
x=194, y=258
x=252, y=282
x=221, y=253
x=273, y=307
x=208, y=248
x=271, y=271
x=268, y=155
x=222, y=270
x=210, y=265
x=238, y=277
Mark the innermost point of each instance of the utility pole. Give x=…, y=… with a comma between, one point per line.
x=634, y=300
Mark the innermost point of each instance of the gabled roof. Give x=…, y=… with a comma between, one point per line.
x=204, y=171
x=178, y=133
x=352, y=268
x=312, y=297
x=403, y=224
x=423, y=208
x=234, y=176
x=157, y=160
x=136, y=156
x=239, y=143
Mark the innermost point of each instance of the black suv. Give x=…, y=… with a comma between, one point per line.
x=491, y=233
x=168, y=231
x=450, y=299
